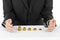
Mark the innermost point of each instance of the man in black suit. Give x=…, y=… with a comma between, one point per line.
x=28, y=12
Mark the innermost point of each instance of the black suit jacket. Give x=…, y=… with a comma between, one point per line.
x=22, y=14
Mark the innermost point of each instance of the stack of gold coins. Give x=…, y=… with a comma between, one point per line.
x=24, y=28
x=19, y=28
x=29, y=29
x=40, y=29
x=35, y=29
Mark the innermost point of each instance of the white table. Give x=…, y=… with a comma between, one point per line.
x=43, y=33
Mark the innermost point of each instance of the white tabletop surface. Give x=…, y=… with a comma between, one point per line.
x=5, y=34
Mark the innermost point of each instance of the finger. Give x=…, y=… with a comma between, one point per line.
x=9, y=27
x=8, y=24
x=10, y=30
x=51, y=28
x=9, y=21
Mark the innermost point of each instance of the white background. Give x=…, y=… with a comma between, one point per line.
x=4, y=35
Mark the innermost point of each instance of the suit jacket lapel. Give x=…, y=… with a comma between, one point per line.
x=25, y=3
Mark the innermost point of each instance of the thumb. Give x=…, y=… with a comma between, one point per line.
x=9, y=21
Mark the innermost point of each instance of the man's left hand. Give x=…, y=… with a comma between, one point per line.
x=51, y=25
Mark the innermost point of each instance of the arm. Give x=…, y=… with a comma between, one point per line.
x=47, y=10
x=8, y=10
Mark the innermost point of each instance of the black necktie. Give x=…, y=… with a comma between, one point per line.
x=28, y=2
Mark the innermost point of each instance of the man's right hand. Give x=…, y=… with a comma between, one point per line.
x=9, y=25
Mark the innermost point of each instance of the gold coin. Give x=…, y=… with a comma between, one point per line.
x=40, y=29
x=34, y=29
x=24, y=28
x=19, y=28
x=29, y=29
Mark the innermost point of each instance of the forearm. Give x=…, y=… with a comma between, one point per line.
x=8, y=10
x=47, y=10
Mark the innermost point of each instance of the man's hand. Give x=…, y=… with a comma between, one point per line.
x=51, y=25
x=9, y=25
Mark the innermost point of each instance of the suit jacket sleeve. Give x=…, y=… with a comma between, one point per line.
x=8, y=9
x=47, y=10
